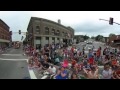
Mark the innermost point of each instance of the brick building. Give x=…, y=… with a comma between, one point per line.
x=5, y=34
x=114, y=40
x=42, y=31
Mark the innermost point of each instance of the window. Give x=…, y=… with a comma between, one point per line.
x=58, y=39
x=47, y=38
x=46, y=30
x=58, y=32
x=53, y=31
x=53, y=38
x=37, y=29
x=8, y=38
x=63, y=34
x=38, y=38
x=2, y=37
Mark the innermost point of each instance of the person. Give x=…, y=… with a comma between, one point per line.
x=107, y=72
x=73, y=62
x=74, y=76
x=45, y=65
x=57, y=61
x=91, y=60
x=30, y=61
x=92, y=73
x=114, y=63
x=52, y=69
x=62, y=73
x=116, y=74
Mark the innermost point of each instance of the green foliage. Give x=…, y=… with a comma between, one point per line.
x=111, y=34
x=99, y=37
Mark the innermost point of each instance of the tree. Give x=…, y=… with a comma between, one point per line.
x=99, y=38
x=92, y=37
x=111, y=34
x=86, y=37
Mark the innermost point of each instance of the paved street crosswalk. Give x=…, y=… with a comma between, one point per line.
x=12, y=54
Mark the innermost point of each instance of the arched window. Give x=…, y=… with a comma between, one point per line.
x=63, y=34
x=58, y=32
x=37, y=29
x=46, y=30
x=53, y=31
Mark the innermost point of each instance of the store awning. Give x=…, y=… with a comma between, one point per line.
x=5, y=41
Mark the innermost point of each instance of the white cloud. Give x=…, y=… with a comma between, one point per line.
x=18, y=20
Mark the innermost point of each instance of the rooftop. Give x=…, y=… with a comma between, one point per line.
x=33, y=18
x=4, y=23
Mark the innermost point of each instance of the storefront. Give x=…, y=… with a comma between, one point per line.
x=4, y=43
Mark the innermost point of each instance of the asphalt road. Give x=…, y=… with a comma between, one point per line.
x=13, y=65
x=87, y=46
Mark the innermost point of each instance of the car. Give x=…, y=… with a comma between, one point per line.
x=89, y=42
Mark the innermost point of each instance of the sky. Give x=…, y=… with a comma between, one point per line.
x=83, y=22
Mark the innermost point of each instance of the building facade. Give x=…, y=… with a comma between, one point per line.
x=114, y=40
x=42, y=31
x=5, y=34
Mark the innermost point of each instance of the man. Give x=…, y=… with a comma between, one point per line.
x=45, y=65
x=57, y=61
x=52, y=69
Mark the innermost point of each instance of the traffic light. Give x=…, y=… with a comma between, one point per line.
x=111, y=21
x=19, y=31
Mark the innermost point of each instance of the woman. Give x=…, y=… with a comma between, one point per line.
x=31, y=62
x=62, y=73
x=74, y=76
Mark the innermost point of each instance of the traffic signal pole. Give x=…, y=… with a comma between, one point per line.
x=108, y=21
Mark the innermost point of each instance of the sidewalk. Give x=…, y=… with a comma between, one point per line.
x=8, y=49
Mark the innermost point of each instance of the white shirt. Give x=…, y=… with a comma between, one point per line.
x=37, y=50
x=53, y=70
x=107, y=74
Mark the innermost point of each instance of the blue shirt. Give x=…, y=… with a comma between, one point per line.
x=90, y=55
x=60, y=77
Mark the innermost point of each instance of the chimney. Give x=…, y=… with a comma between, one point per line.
x=59, y=21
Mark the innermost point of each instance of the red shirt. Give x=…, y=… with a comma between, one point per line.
x=73, y=62
x=98, y=52
x=72, y=49
x=91, y=60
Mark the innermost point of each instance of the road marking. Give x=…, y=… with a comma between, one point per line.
x=32, y=74
x=14, y=59
x=12, y=54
